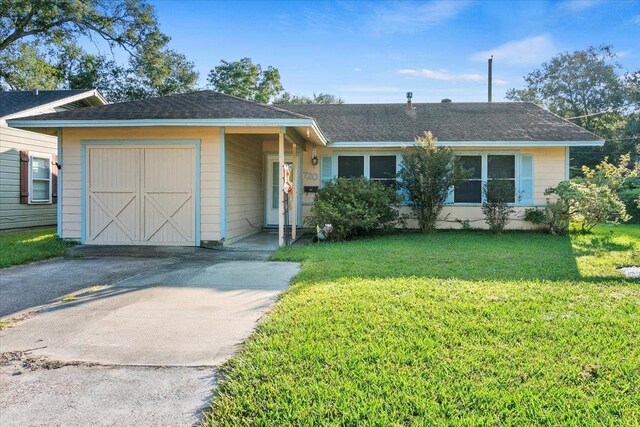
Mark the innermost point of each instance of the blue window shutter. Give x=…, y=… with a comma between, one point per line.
x=449, y=200
x=526, y=180
x=326, y=169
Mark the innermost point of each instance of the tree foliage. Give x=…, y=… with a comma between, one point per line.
x=322, y=98
x=623, y=178
x=585, y=87
x=426, y=175
x=246, y=80
x=39, y=48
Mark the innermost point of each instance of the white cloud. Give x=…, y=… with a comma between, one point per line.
x=577, y=6
x=500, y=82
x=369, y=89
x=440, y=74
x=411, y=17
x=529, y=51
x=357, y=69
x=634, y=20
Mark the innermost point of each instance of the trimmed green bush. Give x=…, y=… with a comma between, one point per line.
x=355, y=207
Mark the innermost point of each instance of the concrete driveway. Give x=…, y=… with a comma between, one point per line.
x=143, y=350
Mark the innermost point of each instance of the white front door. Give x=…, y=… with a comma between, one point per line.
x=273, y=186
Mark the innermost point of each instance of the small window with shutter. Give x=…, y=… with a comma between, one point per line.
x=38, y=178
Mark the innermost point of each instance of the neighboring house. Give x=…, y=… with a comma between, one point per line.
x=204, y=167
x=28, y=169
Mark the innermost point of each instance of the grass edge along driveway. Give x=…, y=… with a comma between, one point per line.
x=23, y=246
x=456, y=328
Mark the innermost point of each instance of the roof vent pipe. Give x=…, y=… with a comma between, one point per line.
x=409, y=105
x=490, y=77
x=35, y=92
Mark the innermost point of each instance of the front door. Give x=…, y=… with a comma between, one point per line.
x=273, y=186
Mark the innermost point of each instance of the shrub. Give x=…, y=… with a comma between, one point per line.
x=496, y=207
x=426, y=175
x=623, y=178
x=582, y=201
x=355, y=207
x=534, y=215
x=629, y=193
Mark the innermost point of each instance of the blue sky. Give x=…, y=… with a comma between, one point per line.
x=376, y=51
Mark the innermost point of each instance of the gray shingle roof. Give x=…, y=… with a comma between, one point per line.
x=205, y=104
x=456, y=121
x=14, y=101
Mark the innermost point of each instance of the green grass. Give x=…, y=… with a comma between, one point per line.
x=21, y=247
x=455, y=328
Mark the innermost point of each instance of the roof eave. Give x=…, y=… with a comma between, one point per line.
x=491, y=144
x=89, y=93
x=35, y=123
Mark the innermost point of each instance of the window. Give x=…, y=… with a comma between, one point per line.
x=503, y=168
x=470, y=191
x=350, y=166
x=39, y=178
x=383, y=169
x=484, y=169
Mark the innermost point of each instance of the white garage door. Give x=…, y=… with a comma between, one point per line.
x=140, y=195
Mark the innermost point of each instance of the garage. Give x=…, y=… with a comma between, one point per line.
x=140, y=194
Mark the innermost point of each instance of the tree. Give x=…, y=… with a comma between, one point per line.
x=583, y=86
x=426, y=175
x=245, y=79
x=623, y=178
x=130, y=24
x=322, y=98
x=25, y=68
x=39, y=48
x=170, y=73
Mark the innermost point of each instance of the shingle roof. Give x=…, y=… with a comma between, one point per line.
x=205, y=104
x=456, y=121
x=20, y=100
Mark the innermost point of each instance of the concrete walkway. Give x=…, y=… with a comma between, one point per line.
x=141, y=351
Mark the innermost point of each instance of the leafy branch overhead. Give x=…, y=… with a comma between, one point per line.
x=40, y=48
x=588, y=88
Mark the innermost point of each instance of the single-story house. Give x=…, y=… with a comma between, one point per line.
x=204, y=168
x=28, y=159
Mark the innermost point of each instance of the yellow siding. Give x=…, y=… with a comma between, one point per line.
x=209, y=170
x=245, y=200
x=549, y=165
x=245, y=186
x=12, y=213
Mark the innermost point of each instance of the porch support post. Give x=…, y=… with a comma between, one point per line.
x=223, y=187
x=280, y=183
x=294, y=204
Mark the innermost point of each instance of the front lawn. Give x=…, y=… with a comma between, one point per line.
x=20, y=247
x=455, y=328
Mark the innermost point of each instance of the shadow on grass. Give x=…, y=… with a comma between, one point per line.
x=477, y=256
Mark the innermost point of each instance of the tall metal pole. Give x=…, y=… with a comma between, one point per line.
x=490, y=76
